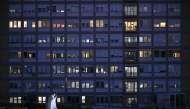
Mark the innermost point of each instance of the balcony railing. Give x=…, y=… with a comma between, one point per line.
x=131, y=74
x=130, y=58
x=131, y=90
x=130, y=13
x=131, y=44
x=131, y=28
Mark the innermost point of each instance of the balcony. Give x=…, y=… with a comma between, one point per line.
x=130, y=56
x=130, y=25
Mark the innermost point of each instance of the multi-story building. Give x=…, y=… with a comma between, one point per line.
x=112, y=52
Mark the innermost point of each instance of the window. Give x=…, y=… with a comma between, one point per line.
x=116, y=99
x=131, y=86
x=87, y=38
x=15, y=24
x=43, y=54
x=101, y=68
x=101, y=23
x=145, y=53
x=29, y=54
x=41, y=99
x=159, y=23
x=87, y=53
x=174, y=68
x=87, y=84
x=72, y=8
x=14, y=84
x=59, y=8
x=58, y=84
x=116, y=7
x=30, y=68
x=159, y=83
x=131, y=102
x=87, y=8
x=58, y=38
x=174, y=23
x=58, y=68
x=116, y=23
x=73, y=84
x=29, y=24
x=130, y=10
x=159, y=7
x=174, y=83
x=145, y=68
x=159, y=68
x=102, y=84
x=29, y=38
x=72, y=54
x=87, y=99
x=57, y=23
x=101, y=7
x=101, y=38
x=73, y=23
x=43, y=84
x=116, y=68
x=73, y=99
x=101, y=99
x=174, y=7
x=131, y=71
x=116, y=38
x=159, y=53
x=15, y=100
x=14, y=54
x=145, y=23
x=73, y=69
x=43, y=23
x=130, y=25
x=60, y=99
x=43, y=69
x=87, y=23
x=43, y=8
x=43, y=38
x=102, y=53
x=29, y=8
x=30, y=84
x=116, y=53
x=143, y=85
x=116, y=83
x=174, y=53
x=145, y=38
x=159, y=38
x=14, y=39
x=13, y=8
x=145, y=8
x=174, y=38
x=87, y=69
x=58, y=53
x=14, y=69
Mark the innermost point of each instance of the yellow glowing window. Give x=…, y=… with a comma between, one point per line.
x=33, y=25
x=58, y=25
x=54, y=25
x=162, y=24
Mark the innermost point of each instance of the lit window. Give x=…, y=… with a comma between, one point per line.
x=25, y=24
x=39, y=23
x=33, y=25
x=162, y=24
x=91, y=23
